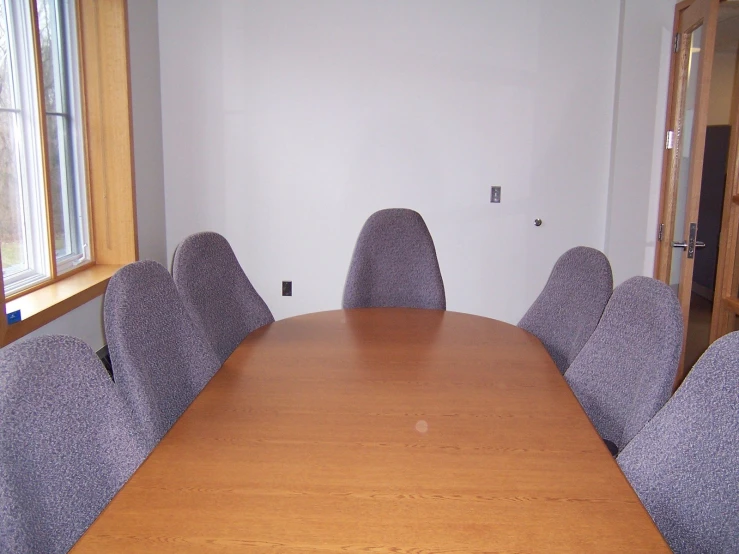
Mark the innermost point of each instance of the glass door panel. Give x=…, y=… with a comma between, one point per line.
x=684, y=141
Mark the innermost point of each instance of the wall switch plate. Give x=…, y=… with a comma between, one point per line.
x=287, y=288
x=495, y=195
x=14, y=317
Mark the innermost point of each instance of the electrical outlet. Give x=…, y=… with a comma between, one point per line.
x=495, y=195
x=287, y=288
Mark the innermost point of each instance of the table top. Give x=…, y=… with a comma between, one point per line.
x=380, y=430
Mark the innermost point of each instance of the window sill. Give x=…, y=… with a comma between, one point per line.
x=52, y=301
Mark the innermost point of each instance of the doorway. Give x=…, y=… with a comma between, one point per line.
x=713, y=181
x=709, y=230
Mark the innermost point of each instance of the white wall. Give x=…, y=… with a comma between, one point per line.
x=86, y=321
x=146, y=104
x=638, y=136
x=286, y=124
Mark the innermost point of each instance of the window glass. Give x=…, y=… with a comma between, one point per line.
x=40, y=186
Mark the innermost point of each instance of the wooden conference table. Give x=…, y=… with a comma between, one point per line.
x=380, y=430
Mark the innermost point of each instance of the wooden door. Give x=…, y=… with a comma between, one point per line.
x=725, y=315
x=694, y=38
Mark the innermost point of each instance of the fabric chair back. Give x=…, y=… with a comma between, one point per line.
x=217, y=292
x=684, y=464
x=67, y=443
x=161, y=358
x=626, y=371
x=394, y=264
x=569, y=307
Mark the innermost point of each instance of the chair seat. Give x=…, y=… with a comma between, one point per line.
x=683, y=463
x=68, y=443
x=217, y=292
x=625, y=372
x=394, y=264
x=161, y=358
x=568, y=309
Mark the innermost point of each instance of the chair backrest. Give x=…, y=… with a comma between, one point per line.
x=217, y=292
x=161, y=358
x=570, y=305
x=68, y=443
x=684, y=464
x=626, y=371
x=394, y=264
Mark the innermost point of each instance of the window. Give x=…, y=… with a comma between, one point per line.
x=95, y=32
x=44, y=227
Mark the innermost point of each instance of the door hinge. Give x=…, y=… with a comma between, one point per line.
x=670, y=140
x=676, y=43
x=661, y=232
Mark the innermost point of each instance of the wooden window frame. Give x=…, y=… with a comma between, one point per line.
x=106, y=98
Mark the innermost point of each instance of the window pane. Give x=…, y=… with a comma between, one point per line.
x=28, y=170
x=50, y=35
x=14, y=251
x=6, y=80
x=64, y=132
x=22, y=195
x=59, y=180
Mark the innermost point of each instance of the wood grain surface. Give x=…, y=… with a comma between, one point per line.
x=379, y=431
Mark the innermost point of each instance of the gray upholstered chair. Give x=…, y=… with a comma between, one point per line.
x=67, y=443
x=569, y=307
x=217, y=292
x=161, y=358
x=394, y=264
x=684, y=464
x=626, y=370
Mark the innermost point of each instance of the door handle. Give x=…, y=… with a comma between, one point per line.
x=684, y=245
x=691, y=244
